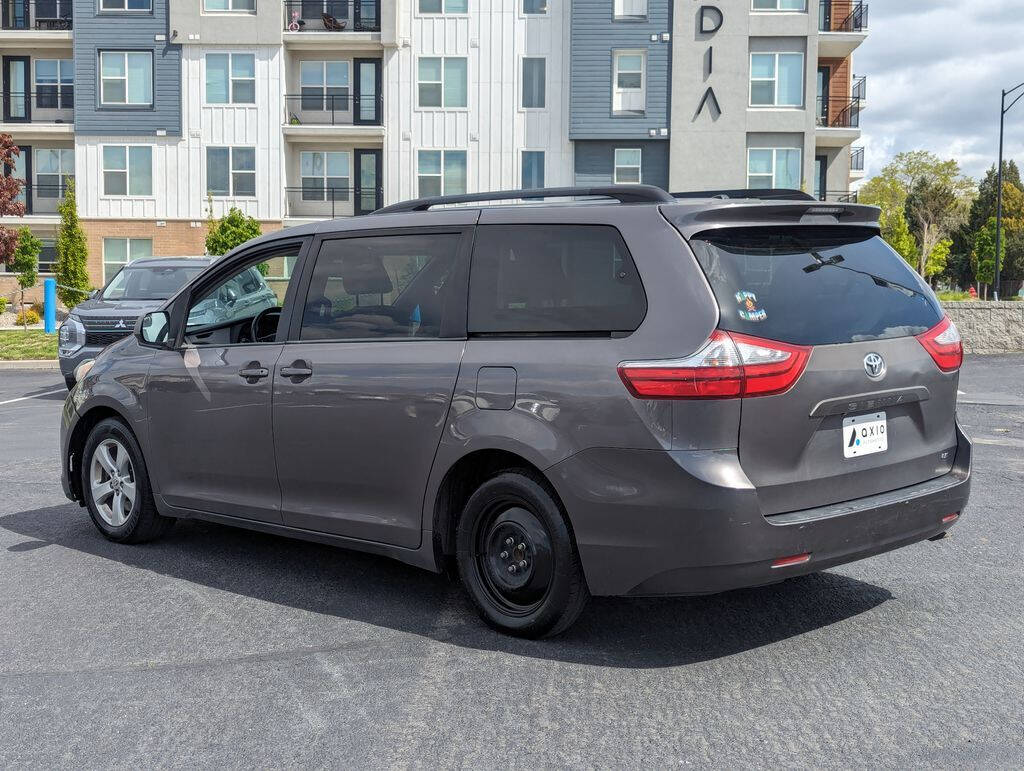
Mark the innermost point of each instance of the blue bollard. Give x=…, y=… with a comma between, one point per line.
x=50, y=305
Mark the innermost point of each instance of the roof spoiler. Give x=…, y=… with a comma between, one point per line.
x=774, y=194
x=620, y=193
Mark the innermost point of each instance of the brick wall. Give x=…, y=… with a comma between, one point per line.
x=989, y=327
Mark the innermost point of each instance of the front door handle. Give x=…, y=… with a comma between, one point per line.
x=252, y=372
x=298, y=370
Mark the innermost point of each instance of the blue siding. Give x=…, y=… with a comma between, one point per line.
x=106, y=31
x=594, y=35
x=595, y=162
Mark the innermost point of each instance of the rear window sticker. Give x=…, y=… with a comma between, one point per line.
x=748, y=307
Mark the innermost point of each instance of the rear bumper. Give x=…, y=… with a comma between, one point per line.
x=689, y=522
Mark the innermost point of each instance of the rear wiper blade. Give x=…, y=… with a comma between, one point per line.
x=835, y=260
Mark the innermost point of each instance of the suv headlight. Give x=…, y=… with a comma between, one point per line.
x=71, y=336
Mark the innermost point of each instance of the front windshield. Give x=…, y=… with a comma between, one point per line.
x=150, y=282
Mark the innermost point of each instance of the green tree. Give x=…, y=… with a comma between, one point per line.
x=937, y=258
x=984, y=206
x=72, y=252
x=231, y=230
x=10, y=188
x=984, y=255
x=936, y=211
x=25, y=261
x=888, y=194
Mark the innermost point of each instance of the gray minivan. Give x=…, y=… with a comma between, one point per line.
x=632, y=394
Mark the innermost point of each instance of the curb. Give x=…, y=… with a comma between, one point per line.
x=30, y=364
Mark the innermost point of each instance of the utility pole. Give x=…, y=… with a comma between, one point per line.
x=1003, y=109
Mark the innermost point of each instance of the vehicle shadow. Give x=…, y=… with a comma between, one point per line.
x=628, y=633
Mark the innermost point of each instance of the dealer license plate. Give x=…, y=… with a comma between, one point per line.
x=865, y=435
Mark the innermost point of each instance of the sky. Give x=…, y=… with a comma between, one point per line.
x=935, y=72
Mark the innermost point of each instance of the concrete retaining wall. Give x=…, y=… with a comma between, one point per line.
x=989, y=327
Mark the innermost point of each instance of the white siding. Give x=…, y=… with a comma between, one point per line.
x=179, y=163
x=493, y=129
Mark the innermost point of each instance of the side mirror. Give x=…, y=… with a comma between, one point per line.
x=152, y=329
x=93, y=294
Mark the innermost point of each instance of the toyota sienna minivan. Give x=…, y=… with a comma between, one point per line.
x=611, y=392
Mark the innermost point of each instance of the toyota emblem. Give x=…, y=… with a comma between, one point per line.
x=874, y=365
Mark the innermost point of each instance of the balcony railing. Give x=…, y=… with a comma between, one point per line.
x=332, y=15
x=36, y=14
x=857, y=159
x=839, y=196
x=42, y=198
x=317, y=200
x=842, y=16
x=48, y=104
x=318, y=108
x=838, y=112
x=859, y=89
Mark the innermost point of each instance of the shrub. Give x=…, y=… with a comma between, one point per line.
x=39, y=308
x=950, y=295
x=27, y=317
x=72, y=252
x=3, y=304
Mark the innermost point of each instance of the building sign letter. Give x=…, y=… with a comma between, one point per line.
x=711, y=19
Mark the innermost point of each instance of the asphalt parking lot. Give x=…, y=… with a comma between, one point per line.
x=221, y=646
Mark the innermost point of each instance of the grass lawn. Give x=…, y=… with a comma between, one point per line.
x=31, y=344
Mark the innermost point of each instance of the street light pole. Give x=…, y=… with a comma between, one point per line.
x=1003, y=109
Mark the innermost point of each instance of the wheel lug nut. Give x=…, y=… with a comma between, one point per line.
x=522, y=547
x=511, y=568
x=504, y=555
x=522, y=564
x=509, y=541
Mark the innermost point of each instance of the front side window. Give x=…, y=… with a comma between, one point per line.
x=443, y=6
x=126, y=78
x=627, y=166
x=533, y=169
x=380, y=287
x=118, y=252
x=774, y=168
x=55, y=84
x=230, y=79
x=245, y=6
x=441, y=172
x=629, y=86
x=535, y=7
x=442, y=81
x=231, y=171
x=534, y=82
x=630, y=9
x=53, y=170
x=554, y=279
x=126, y=5
x=127, y=170
x=776, y=80
x=326, y=176
x=244, y=307
x=780, y=5
x=324, y=85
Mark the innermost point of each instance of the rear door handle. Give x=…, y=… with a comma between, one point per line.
x=298, y=370
x=253, y=372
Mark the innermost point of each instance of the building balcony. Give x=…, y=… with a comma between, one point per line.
x=319, y=24
x=41, y=202
x=859, y=89
x=856, y=163
x=838, y=121
x=40, y=114
x=315, y=201
x=36, y=15
x=842, y=27
x=340, y=116
x=839, y=196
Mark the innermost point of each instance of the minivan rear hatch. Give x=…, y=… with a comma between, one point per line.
x=873, y=411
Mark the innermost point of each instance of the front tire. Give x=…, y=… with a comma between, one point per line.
x=517, y=557
x=116, y=486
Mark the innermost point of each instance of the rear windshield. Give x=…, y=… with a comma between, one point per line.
x=814, y=286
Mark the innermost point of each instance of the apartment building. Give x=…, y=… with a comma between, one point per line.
x=296, y=110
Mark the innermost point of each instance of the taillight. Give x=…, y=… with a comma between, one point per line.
x=727, y=366
x=944, y=345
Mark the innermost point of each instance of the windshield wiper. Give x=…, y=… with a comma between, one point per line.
x=835, y=260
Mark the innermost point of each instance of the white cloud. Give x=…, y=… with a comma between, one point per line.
x=935, y=71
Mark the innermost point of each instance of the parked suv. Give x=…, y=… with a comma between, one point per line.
x=632, y=395
x=110, y=313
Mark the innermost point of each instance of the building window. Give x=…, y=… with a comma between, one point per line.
x=533, y=82
x=126, y=5
x=325, y=176
x=776, y=80
x=779, y=5
x=231, y=171
x=443, y=6
x=324, y=85
x=441, y=172
x=535, y=7
x=118, y=252
x=774, y=168
x=629, y=94
x=231, y=79
x=533, y=169
x=244, y=6
x=126, y=77
x=127, y=170
x=630, y=9
x=47, y=256
x=442, y=81
x=627, y=166
x=55, y=79
x=53, y=170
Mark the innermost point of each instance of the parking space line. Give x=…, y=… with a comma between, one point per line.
x=33, y=396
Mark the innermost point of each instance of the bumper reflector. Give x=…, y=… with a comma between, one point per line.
x=950, y=518
x=796, y=559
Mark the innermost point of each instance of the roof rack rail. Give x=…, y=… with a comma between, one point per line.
x=620, y=193
x=779, y=194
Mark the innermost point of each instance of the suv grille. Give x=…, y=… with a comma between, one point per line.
x=104, y=331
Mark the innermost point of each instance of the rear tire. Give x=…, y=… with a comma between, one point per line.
x=115, y=484
x=517, y=557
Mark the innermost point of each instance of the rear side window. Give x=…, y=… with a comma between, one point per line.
x=814, y=286
x=553, y=279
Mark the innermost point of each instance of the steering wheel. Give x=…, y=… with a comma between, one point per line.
x=263, y=328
